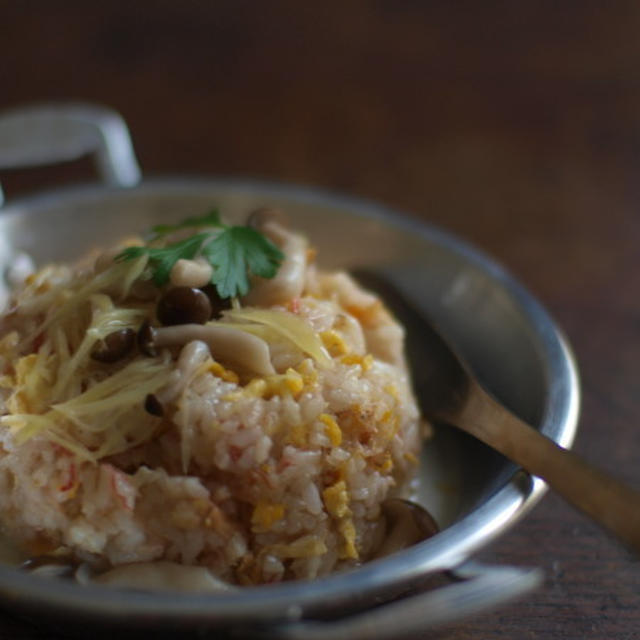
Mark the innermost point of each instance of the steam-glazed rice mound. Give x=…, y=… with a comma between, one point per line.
x=258, y=443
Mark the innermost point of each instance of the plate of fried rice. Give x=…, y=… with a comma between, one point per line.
x=205, y=415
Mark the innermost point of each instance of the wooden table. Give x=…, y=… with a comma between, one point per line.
x=513, y=124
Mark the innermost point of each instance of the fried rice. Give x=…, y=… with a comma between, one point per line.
x=259, y=470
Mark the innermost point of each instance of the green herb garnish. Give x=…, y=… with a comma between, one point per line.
x=234, y=252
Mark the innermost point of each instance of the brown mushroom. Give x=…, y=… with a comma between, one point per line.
x=218, y=304
x=258, y=218
x=146, y=339
x=115, y=346
x=406, y=524
x=183, y=305
x=153, y=406
x=230, y=345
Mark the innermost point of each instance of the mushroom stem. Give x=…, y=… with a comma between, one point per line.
x=229, y=345
x=191, y=273
x=289, y=282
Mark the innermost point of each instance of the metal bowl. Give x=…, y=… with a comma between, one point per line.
x=475, y=494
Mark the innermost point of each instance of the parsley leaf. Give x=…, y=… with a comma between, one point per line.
x=234, y=252
x=163, y=259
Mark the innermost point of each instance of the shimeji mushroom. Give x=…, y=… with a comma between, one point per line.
x=229, y=345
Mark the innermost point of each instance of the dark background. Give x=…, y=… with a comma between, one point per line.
x=514, y=124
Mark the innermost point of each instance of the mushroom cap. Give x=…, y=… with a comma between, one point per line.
x=407, y=523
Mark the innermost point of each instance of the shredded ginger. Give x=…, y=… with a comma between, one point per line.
x=57, y=390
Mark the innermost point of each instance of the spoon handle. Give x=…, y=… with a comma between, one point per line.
x=611, y=503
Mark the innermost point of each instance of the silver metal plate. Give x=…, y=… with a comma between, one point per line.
x=498, y=326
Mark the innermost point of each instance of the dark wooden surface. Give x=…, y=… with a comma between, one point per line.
x=513, y=124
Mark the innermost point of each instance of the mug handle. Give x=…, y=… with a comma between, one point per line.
x=48, y=133
x=477, y=587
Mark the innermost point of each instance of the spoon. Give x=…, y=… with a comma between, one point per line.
x=457, y=398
